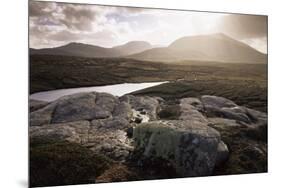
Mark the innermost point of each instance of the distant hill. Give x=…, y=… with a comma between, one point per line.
x=132, y=47
x=215, y=47
x=86, y=50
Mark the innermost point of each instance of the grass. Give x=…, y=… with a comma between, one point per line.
x=63, y=163
x=56, y=72
x=244, y=156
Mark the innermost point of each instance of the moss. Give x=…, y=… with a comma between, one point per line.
x=63, y=163
x=170, y=112
x=148, y=135
x=248, y=150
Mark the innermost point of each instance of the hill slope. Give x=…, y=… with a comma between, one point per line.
x=86, y=50
x=215, y=47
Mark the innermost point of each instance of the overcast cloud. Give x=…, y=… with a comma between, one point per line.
x=55, y=24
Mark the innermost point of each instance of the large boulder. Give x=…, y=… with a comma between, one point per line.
x=221, y=107
x=42, y=116
x=84, y=106
x=107, y=136
x=191, y=147
x=76, y=132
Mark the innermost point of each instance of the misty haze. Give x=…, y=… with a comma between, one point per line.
x=126, y=94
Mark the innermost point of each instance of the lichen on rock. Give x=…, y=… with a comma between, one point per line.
x=190, y=147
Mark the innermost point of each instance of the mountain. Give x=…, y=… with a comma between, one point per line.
x=86, y=50
x=132, y=47
x=77, y=49
x=214, y=47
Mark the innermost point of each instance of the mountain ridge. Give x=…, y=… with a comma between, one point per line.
x=216, y=47
x=89, y=50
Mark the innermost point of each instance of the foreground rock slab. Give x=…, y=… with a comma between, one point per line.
x=190, y=147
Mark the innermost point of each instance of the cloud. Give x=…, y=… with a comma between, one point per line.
x=40, y=9
x=74, y=17
x=64, y=35
x=57, y=23
x=244, y=26
x=54, y=24
x=78, y=17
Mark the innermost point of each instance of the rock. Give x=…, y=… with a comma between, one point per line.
x=111, y=124
x=257, y=116
x=101, y=136
x=106, y=101
x=189, y=112
x=254, y=152
x=185, y=142
x=100, y=113
x=123, y=110
x=223, y=153
x=216, y=102
x=159, y=99
x=224, y=122
x=257, y=132
x=139, y=116
x=233, y=113
x=190, y=147
x=220, y=107
x=35, y=104
x=148, y=104
x=42, y=116
x=113, y=144
x=193, y=102
x=83, y=106
x=76, y=132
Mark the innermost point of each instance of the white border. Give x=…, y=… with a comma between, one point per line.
x=14, y=71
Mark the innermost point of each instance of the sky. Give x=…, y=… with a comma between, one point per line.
x=55, y=24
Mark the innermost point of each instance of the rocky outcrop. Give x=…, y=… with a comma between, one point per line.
x=83, y=106
x=220, y=107
x=114, y=144
x=145, y=105
x=191, y=147
x=73, y=131
x=123, y=110
x=190, y=110
x=191, y=137
x=42, y=116
x=35, y=104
